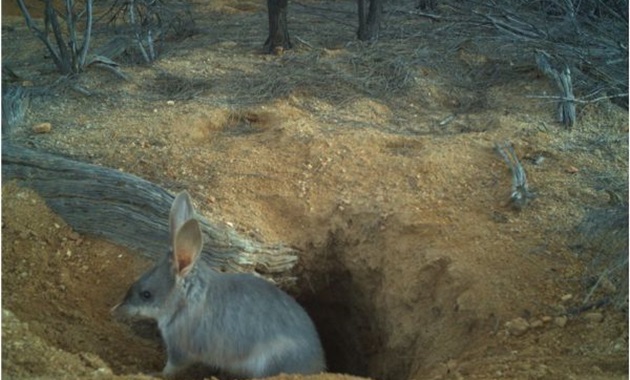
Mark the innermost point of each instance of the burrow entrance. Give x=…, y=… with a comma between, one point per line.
x=384, y=311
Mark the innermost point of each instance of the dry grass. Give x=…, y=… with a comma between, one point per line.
x=166, y=86
x=14, y=104
x=604, y=233
x=362, y=72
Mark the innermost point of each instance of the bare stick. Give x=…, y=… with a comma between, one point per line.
x=520, y=189
x=566, y=107
x=87, y=34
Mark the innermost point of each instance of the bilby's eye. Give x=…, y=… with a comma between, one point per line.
x=145, y=295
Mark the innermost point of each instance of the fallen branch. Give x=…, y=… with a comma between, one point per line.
x=520, y=195
x=566, y=107
x=130, y=211
x=514, y=26
x=560, y=98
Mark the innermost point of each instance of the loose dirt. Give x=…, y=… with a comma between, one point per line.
x=413, y=264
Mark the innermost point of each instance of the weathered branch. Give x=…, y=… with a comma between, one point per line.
x=520, y=195
x=87, y=35
x=514, y=26
x=43, y=36
x=132, y=212
x=52, y=20
x=566, y=107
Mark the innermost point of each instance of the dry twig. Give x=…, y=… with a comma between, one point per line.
x=566, y=106
x=520, y=190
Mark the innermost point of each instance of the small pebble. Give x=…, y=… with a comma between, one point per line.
x=170, y=102
x=42, y=128
x=104, y=371
x=517, y=326
x=594, y=317
x=536, y=323
x=560, y=321
x=546, y=319
x=566, y=297
x=228, y=44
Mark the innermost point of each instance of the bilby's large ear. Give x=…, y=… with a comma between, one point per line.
x=181, y=211
x=187, y=246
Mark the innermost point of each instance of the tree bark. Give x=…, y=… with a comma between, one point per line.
x=369, y=23
x=278, y=27
x=133, y=212
x=369, y=19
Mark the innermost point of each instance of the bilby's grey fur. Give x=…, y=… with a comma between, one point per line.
x=238, y=323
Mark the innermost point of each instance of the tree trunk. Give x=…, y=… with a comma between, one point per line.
x=130, y=211
x=369, y=19
x=278, y=27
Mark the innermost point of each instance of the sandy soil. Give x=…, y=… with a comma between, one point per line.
x=413, y=264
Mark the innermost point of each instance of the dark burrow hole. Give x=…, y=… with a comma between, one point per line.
x=341, y=302
x=345, y=323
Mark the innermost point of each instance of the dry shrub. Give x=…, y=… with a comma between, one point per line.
x=589, y=37
x=15, y=101
x=147, y=24
x=604, y=232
